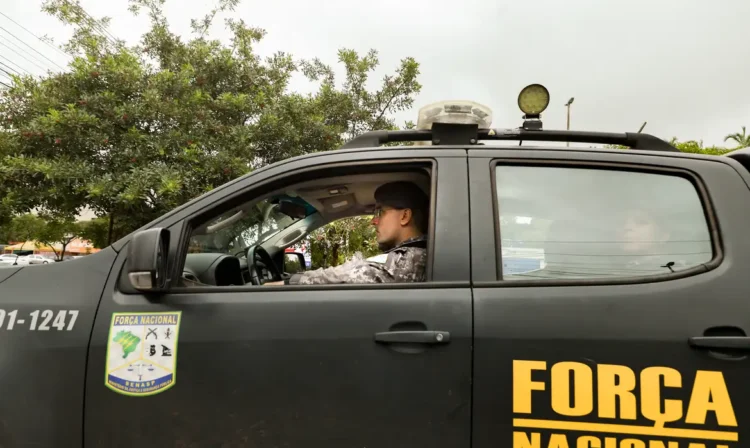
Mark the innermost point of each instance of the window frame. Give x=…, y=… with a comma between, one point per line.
x=254, y=191
x=692, y=177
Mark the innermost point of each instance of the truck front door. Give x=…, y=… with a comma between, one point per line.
x=299, y=366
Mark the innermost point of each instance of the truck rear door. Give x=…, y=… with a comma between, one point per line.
x=610, y=300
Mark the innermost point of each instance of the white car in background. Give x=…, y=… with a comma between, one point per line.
x=9, y=260
x=36, y=259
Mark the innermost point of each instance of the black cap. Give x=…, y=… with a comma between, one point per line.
x=402, y=194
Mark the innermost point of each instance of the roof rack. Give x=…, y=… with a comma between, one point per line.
x=470, y=134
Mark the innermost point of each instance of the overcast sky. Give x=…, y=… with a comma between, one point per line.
x=681, y=65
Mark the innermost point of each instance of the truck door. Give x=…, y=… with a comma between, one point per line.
x=603, y=306
x=291, y=366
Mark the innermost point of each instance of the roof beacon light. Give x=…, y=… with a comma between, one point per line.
x=458, y=112
x=533, y=100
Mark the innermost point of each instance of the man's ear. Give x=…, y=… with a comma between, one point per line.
x=406, y=216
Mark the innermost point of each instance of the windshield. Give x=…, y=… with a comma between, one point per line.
x=248, y=225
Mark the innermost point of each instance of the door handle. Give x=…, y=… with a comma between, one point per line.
x=730, y=342
x=413, y=337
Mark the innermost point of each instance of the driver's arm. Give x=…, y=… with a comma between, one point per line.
x=350, y=272
x=363, y=272
x=402, y=265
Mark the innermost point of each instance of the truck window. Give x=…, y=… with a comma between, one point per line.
x=330, y=216
x=244, y=226
x=594, y=223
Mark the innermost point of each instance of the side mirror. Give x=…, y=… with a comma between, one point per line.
x=147, y=260
x=294, y=262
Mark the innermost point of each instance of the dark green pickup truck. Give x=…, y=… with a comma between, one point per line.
x=578, y=296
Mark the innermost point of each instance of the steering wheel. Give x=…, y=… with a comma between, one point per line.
x=255, y=273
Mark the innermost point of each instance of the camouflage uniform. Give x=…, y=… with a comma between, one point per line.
x=405, y=264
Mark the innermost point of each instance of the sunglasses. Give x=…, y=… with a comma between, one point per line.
x=379, y=211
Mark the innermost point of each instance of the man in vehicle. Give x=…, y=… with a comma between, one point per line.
x=401, y=211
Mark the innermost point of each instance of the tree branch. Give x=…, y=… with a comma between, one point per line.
x=393, y=97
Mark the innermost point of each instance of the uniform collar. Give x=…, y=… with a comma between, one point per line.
x=417, y=241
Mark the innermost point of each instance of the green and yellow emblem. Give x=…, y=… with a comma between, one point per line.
x=142, y=352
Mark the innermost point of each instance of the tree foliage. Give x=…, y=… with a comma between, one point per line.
x=697, y=147
x=22, y=228
x=741, y=138
x=338, y=241
x=58, y=232
x=689, y=146
x=354, y=110
x=132, y=132
x=96, y=231
x=44, y=230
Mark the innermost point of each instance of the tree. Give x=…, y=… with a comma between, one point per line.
x=354, y=110
x=742, y=139
x=23, y=228
x=338, y=241
x=690, y=146
x=132, y=132
x=59, y=232
x=696, y=147
x=292, y=265
x=96, y=231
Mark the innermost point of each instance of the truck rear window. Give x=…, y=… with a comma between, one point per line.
x=568, y=223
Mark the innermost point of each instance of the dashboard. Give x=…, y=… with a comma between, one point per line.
x=217, y=269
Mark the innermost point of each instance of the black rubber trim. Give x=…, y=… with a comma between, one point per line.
x=210, y=289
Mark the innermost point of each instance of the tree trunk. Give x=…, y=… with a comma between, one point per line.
x=111, y=227
x=335, y=255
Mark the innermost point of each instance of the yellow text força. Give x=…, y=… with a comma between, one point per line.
x=571, y=385
x=582, y=393
x=522, y=372
x=613, y=383
x=710, y=394
x=651, y=401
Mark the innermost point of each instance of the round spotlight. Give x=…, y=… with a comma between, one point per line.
x=533, y=99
